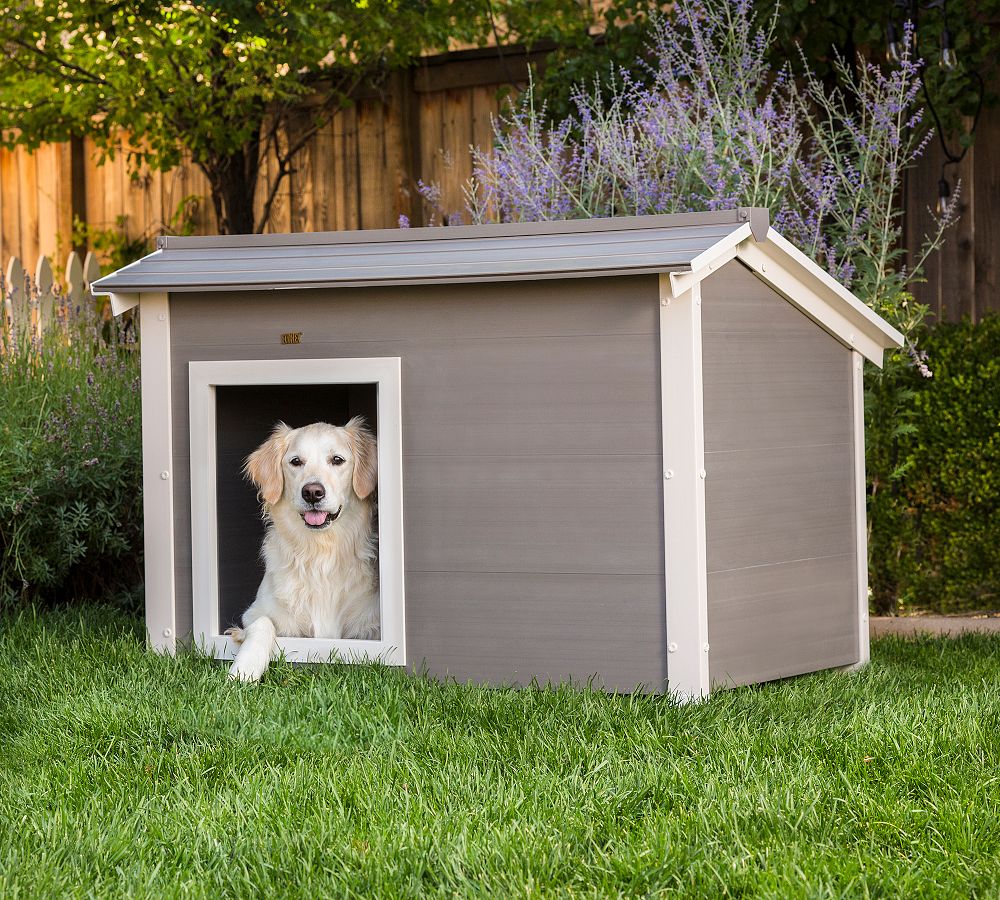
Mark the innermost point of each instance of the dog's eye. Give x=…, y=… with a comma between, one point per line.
x=295, y=461
x=337, y=461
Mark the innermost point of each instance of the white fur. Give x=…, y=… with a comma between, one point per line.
x=319, y=583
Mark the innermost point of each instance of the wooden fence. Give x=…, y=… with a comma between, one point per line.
x=358, y=172
x=34, y=303
x=964, y=278
x=361, y=172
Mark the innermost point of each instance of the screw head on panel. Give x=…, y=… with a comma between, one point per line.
x=702, y=473
x=705, y=648
x=164, y=475
x=168, y=632
x=668, y=474
x=672, y=647
x=162, y=317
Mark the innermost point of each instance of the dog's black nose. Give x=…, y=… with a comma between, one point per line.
x=313, y=492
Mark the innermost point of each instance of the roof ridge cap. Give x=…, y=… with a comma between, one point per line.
x=734, y=217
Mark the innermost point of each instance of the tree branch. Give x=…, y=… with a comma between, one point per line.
x=59, y=63
x=330, y=107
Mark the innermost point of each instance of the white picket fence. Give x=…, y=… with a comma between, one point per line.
x=33, y=304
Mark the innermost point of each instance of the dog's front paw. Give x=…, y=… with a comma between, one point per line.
x=236, y=635
x=248, y=667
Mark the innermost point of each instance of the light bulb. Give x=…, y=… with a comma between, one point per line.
x=894, y=50
x=944, y=195
x=948, y=57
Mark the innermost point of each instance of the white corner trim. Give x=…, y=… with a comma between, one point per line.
x=204, y=377
x=123, y=302
x=157, y=473
x=860, y=506
x=684, y=540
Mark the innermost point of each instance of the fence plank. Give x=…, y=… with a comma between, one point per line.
x=27, y=174
x=94, y=192
x=345, y=161
x=985, y=189
x=395, y=149
x=44, y=296
x=75, y=290
x=91, y=269
x=300, y=181
x=17, y=300
x=957, y=260
x=10, y=217
x=920, y=198
x=431, y=112
x=47, y=168
x=375, y=187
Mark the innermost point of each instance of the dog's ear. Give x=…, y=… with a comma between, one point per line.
x=365, y=456
x=263, y=466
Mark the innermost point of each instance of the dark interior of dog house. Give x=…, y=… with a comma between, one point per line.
x=245, y=417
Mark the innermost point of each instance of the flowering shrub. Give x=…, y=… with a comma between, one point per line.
x=70, y=461
x=716, y=127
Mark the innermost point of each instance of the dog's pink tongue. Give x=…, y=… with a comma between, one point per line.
x=315, y=517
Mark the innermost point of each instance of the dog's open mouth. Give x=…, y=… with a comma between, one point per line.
x=320, y=518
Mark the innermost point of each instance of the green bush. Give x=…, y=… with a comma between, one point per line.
x=70, y=464
x=934, y=498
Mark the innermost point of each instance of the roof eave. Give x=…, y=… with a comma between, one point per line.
x=788, y=271
x=120, y=303
x=126, y=295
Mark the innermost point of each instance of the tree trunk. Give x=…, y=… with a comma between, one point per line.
x=233, y=180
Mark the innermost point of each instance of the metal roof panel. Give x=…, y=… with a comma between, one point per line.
x=260, y=265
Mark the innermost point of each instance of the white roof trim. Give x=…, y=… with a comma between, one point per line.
x=708, y=260
x=787, y=270
x=123, y=302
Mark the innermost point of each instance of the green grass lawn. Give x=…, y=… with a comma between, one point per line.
x=127, y=774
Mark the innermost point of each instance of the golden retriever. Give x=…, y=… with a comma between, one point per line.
x=320, y=574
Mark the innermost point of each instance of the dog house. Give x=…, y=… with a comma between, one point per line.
x=623, y=451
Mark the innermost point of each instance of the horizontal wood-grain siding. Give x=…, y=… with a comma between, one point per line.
x=472, y=626
x=531, y=462
x=804, y=605
x=779, y=457
x=778, y=504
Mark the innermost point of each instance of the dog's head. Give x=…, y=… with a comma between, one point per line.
x=318, y=471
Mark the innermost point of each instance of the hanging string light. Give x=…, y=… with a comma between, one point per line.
x=948, y=59
x=910, y=10
x=944, y=194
